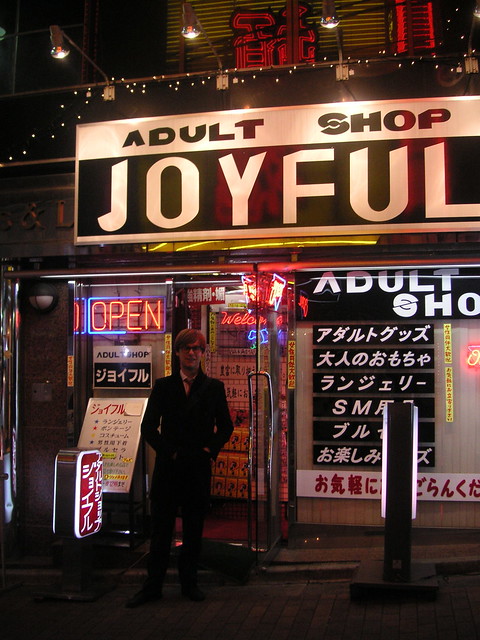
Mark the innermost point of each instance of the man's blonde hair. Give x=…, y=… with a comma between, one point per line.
x=186, y=337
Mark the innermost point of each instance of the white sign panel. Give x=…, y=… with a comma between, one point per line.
x=360, y=167
x=367, y=485
x=112, y=426
x=122, y=367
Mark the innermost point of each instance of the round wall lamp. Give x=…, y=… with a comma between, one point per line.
x=43, y=297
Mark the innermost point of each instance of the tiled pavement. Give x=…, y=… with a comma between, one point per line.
x=306, y=594
x=295, y=610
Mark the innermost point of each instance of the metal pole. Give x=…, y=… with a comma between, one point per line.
x=3, y=477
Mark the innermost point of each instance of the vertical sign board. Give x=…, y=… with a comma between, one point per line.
x=112, y=425
x=399, y=487
x=78, y=493
x=291, y=364
x=168, y=354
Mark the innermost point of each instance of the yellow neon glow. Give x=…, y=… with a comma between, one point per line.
x=263, y=244
x=195, y=245
x=295, y=243
x=157, y=247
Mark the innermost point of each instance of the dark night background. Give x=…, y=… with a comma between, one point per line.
x=39, y=108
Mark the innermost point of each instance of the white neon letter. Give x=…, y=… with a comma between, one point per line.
x=241, y=185
x=292, y=190
x=398, y=185
x=116, y=218
x=435, y=188
x=190, y=192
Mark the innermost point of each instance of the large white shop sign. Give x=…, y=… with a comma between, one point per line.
x=361, y=167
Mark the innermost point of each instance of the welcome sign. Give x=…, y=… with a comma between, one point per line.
x=360, y=167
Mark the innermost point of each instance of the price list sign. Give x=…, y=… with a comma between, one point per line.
x=112, y=426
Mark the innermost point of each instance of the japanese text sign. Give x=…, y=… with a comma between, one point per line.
x=112, y=425
x=122, y=367
x=367, y=485
x=358, y=371
x=78, y=492
x=88, y=512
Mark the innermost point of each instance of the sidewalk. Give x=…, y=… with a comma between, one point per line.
x=345, y=548
x=303, y=595
x=300, y=610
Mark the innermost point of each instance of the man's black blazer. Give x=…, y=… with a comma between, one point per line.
x=180, y=427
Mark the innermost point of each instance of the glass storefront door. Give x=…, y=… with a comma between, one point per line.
x=244, y=320
x=247, y=336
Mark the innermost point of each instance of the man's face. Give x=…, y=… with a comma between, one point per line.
x=190, y=357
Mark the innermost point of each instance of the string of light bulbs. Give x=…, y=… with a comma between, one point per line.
x=74, y=106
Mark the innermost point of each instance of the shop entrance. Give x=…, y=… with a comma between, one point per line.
x=246, y=328
x=244, y=318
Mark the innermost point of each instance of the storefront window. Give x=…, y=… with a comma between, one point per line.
x=371, y=337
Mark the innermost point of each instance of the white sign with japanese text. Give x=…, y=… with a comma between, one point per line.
x=122, y=367
x=112, y=426
x=367, y=485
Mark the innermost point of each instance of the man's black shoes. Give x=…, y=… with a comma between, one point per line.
x=141, y=598
x=193, y=593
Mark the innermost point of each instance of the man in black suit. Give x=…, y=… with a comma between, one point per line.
x=186, y=422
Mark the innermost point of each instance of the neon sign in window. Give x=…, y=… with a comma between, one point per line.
x=121, y=315
x=263, y=333
x=243, y=318
x=78, y=316
x=263, y=290
x=473, y=358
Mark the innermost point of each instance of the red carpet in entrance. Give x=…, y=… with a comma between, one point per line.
x=226, y=529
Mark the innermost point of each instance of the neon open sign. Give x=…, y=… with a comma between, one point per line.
x=120, y=315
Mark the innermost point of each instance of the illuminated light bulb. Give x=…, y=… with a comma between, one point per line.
x=329, y=18
x=329, y=22
x=59, y=52
x=190, y=32
x=59, y=49
x=191, y=27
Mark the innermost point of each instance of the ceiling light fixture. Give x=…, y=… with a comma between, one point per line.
x=60, y=50
x=329, y=18
x=191, y=28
